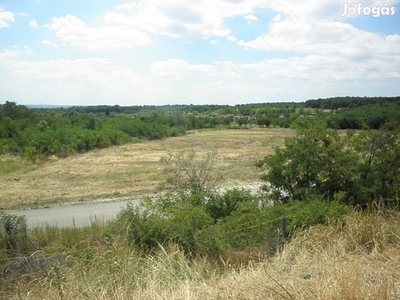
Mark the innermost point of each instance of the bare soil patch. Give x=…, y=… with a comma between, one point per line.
x=133, y=169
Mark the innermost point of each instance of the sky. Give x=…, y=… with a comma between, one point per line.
x=157, y=52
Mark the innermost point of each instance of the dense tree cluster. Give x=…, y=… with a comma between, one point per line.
x=62, y=132
x=320, y=162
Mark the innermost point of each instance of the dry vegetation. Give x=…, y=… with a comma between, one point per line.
x=131, y=169
x=355, y=260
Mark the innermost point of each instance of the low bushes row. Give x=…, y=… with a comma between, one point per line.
x=210, y=224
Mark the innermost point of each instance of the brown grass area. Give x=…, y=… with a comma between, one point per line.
x=132, y=169
x=357, y=260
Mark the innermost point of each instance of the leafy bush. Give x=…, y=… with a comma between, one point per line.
x=220, y=206
x=13, y=234
x=210, y=225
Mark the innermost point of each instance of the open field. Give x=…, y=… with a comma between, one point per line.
x=132, y=169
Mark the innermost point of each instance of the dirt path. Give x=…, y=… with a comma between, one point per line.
x=80, y=215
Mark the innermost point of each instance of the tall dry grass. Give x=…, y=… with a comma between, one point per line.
x=358, y=259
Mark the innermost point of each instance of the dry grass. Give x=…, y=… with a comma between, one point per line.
x=359, y=260
x=131, y=169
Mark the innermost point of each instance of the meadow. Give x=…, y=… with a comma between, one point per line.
x=130, y=169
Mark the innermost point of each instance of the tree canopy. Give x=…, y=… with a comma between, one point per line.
x=356, y=168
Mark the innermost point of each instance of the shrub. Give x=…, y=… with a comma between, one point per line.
x=13, y=234
x=220, y=206
x=210, y=225
x=188, y=175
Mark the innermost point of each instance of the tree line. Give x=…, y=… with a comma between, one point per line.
x=40, y=132
x=63, y=132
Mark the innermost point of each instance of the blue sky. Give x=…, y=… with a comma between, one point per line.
x=196, y=52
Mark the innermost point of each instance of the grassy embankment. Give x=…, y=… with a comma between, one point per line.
x=357, y=259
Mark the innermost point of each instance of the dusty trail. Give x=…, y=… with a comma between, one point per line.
x=80, y=215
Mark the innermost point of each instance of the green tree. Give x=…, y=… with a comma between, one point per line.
x=8, y=128
x=379, y=165
x=316, y=161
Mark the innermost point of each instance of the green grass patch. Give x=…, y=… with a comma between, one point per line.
x=12, y=164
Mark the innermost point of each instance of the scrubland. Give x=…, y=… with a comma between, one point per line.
x=346, y=254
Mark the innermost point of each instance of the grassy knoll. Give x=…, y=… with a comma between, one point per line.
x=356, y=259
x=131, y=169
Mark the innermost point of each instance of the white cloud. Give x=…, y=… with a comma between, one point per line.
x=213, y=42
x=324, y=37
x=8, y=54
x=28, y=50
x=6, y=18
x=181, y=18
x=177, y=69
x=232, y=39
x=178, y=81
x=251, y=18
x=292, y=79
x=130, y=23
x=33, y=24
x=70, y=81
x=48, y=43
x=72, y=30
x=14, y=52
x=325, y=56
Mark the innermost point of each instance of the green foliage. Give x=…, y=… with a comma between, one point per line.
x=378, y=165
x=31, y=154
x=211, y=225
x=202, y=221
x=246, y=227
x=65, y=131
x=251, y=226
x=13, y=234
x=319, y=162
x=220, y=206
x=35, y=134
